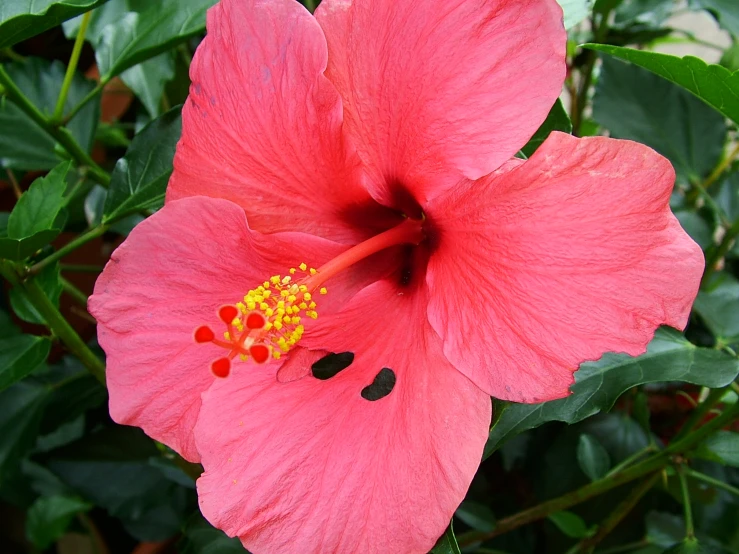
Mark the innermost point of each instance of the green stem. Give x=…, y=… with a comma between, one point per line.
x=599, y=36
x=71, y=68
x=73, y=291
x=615, y=517
x=631, y=459
x=721, y=167
x=697, y=415
x=654, y=463
x=90, y=95
x=62, y=329
x=12, y=55
x=626, y=547
x=689, y=528
x=310, y=5
x=60, y=134
x=717, y=253
x=81, y=240
x=81, y=268
x=711, y=481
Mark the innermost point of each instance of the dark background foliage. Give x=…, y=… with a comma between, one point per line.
x=643, y=456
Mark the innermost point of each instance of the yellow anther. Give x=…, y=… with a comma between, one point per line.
x=269, y=312
x=292, y=271
x=242, y=307
x=227, y=335
x=243, y=357
x=303, y=306
x=259, y=298
x=267, y=293
x=303, y=288
x=278, y=324
x=303, y=266
x=276, y=354
x=313, y=271
x=307, y=296
x=265, y=284
x=287, y=319
x=295, y=320
x=268, y=326
x=292, y=298
x=281, y=304
x=312, y=305
x=275, y=279
x=251, y=305
x=264, y=306
x=284, y=293
x=295, y=310
x=323, y=290
x=286, y=279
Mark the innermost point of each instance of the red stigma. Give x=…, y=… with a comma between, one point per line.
x=221, y=367
x=255, y=320
x=204, y=334
x=259, y=353
x=228, y=314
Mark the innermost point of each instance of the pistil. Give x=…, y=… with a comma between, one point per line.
x=268, y=321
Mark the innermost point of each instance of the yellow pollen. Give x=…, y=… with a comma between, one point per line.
x=323, y=290
x=284, y=301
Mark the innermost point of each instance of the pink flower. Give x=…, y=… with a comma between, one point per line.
x=374, y=142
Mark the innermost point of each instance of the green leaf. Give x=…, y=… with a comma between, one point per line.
x=19, y=354
x=140, y=178
x=592, y=457
x=139, y=36
x=643, y=12
x=570, y=524
x=148, y=79
x=726, y=11
x=24, y=145
x=200, y=537
x=22, y=407
x=39, y=206
x=575, y=11
x=112, y=469
x=670, y=357
x=447, y=543
x=721, y=447
x=697, y=227
x=477, y=516
x=557, y=120
x=638, y=105
x=718, y=307
x=713, y=84
x=34, y=220
x=22, y=19
x=48, y=280
x=49, y=517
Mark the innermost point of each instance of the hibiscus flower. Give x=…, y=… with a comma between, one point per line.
x=350, y=262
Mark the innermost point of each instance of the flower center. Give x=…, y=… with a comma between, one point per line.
x=268, y=322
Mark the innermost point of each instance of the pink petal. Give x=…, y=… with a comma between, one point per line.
x=171, y=275
x=262, y=126
x=310, y=466
x=556, y=261
x=434, y=88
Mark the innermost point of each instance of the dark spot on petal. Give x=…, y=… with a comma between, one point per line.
x=382, y=385
x=331, y=364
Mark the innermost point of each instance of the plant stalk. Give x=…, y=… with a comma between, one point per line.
x=71, y=69
x=615, y=517
x=60, y=134
x=71, y=246
x=652, y=464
